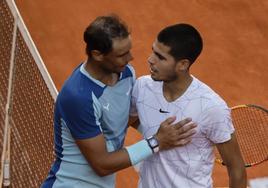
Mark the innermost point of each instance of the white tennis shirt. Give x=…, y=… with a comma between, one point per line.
x=189, y=166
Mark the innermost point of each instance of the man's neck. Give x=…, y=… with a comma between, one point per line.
x=174, y=89
x=98, y=73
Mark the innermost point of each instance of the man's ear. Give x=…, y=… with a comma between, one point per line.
x=97, y=55
x=183, y=65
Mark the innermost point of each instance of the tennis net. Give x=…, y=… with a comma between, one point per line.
x=27, y=96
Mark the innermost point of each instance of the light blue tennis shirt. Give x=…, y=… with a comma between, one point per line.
x=85, y=108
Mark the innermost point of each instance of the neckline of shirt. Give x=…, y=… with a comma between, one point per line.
x=84, y=72
x=182, y=96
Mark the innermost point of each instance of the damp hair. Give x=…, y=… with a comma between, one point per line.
x=100, y=33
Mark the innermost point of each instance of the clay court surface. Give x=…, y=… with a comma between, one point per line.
x=233, y=62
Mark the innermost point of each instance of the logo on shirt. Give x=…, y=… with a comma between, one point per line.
x=163, y=111
x=106, y=107
x=128, y=92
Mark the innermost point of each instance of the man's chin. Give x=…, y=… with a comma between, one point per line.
x=121, y=69
x=155, y=78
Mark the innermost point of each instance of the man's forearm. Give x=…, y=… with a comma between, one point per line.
x=112, y=162
x=134, y=122
x=123, y=158
x=237, y=177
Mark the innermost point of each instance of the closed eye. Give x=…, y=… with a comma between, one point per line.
x=121, y=55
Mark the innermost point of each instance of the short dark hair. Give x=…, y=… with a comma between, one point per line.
x=99, y=34
x=184, y=41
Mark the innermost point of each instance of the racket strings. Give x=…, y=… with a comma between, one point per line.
x=251, y=125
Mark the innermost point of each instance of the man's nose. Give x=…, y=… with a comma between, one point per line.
x=130, y=57
x=151, y=59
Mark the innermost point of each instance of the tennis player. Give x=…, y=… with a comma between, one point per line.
x=92, y=110
x=171, y=90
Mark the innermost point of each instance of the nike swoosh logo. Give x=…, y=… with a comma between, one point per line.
x=163, y=111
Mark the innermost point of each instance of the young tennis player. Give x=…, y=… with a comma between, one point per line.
x=171, y=90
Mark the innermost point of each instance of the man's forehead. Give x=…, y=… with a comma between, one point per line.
x=121, y=40
x=160, y=47
x=122, y=44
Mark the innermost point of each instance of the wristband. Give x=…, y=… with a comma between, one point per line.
x=139, y=151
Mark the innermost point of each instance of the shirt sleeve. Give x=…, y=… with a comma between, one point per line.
x=82, y=117
x=216, y=124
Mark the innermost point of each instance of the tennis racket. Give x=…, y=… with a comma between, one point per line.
x=251, y=127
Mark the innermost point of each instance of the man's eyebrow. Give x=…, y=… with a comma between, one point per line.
x=158, y=54
x=120, y=55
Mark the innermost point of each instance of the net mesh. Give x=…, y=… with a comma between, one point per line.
x=6, y=30
x=31, y=116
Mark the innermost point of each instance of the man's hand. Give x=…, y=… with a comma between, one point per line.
x=173, y=135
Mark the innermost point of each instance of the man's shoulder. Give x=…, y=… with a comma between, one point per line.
x=147, y=82
x=207, y=94
x=78, y=91
x=145, y=79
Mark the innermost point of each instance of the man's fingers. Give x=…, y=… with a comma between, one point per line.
x=182, y=122
x=187, y=134
x=186, y=126
x=169, y=120
x=172, y=134
x=183, y=142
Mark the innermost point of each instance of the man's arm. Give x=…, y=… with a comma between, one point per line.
x=231, y=156
x=104, y=163
x=133, y=121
